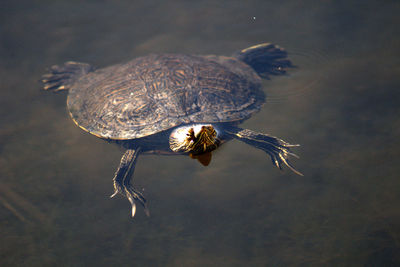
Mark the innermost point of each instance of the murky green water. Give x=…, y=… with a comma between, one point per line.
x=341, y=104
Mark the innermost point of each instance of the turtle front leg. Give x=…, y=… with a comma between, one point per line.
x=122, y=180
x=276, y=148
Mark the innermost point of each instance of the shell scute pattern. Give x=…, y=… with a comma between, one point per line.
x=154, y=93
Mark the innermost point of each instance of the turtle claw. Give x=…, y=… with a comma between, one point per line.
x=114, y=194
x=133, y=210
x=117, y=189
x=135, y=196
x=133, y=204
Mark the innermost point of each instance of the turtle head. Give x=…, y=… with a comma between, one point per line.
x=198, y=140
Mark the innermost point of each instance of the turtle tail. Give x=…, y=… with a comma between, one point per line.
x=266, y=59
x=62, y=77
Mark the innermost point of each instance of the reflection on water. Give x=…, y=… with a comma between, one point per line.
x=340, y=104
x=304, y=79
x=19, y=206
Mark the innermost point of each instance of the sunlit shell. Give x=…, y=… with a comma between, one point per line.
x=155, y=93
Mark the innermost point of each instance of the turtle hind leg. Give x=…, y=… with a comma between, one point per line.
x=276, y=148
x=62, y=77
x=266, y=59
x=122, y=180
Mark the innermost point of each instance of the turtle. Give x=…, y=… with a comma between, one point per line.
x=172, y=104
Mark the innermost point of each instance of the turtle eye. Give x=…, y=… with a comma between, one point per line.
x=190, y=134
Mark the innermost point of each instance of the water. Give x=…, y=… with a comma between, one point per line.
x=341, y=104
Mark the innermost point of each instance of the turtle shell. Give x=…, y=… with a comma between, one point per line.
x=157, y=92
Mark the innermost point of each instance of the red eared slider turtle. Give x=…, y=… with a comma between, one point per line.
x=172, y=104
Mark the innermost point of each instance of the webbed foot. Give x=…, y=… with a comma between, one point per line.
x=276, y=148
x=266, y=59
x=62, y=77
x=122, y=180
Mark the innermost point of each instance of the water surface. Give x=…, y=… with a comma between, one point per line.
x=341, y=104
